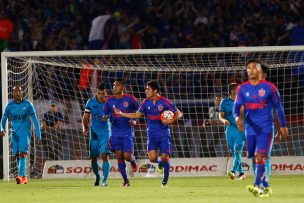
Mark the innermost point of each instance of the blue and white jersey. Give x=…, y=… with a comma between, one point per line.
x=19, y=115
x=95, y=109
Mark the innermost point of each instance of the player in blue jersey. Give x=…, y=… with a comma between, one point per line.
x=19, y=111
x=259, y=98
x=158, y=131
x=122, y=131
x=277, y=136
x=99, y=134
x=235, y=138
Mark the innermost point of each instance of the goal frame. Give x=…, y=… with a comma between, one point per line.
x=6, y=55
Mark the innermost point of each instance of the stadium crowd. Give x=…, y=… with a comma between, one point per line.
x=65, y=25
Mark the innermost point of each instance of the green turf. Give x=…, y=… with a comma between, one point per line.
x=180, y=190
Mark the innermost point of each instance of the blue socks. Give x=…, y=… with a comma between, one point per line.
x=261, y=176
x=95, y=168
x=253, y=166
x=166, y=165
x=122, y=169
x=133, y=160
x=105, y=170
x=268, y=167
x=237, y=163
x=22, y=166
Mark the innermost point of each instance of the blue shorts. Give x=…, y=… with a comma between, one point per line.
x=20, y=143
x=161, y=142
x=122, y=142
x=99, y=144
x=235, y=139
x=260, y=143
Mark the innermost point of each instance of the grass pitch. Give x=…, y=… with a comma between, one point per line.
x=146, y=190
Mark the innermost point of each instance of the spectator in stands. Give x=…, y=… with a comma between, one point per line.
x=297, y=33
x=52, y=121
x=36, y=32
x=103, y=30
x=6, y=29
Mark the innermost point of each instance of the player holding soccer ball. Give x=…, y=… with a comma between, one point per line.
x=158, y=130
x=99, y=134
x=19, y=111
x=259, y=98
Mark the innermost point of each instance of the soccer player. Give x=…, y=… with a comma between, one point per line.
x=277, y=137
x=122, y=131
x=158, y=131
x=235, y=138
x=99, y=134
x=259, y=98
x=19, y=111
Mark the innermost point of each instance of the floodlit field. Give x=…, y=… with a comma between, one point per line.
x=183, y=190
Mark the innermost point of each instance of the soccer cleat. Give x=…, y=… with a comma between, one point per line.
x=254, y=190
x=104, y=184
x=164, y=185
x=97, y=181
x=267, y=192
x=24, y=180
x=134, y=167
x=18, y=179
x=242, y=176
x=231, y=175
x=126, y=184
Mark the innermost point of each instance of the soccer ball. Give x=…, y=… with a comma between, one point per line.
x=167, y=115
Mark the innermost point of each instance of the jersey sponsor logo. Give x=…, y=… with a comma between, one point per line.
x=18, y=117
x=126, y=104
x=152, y=117
x=160, y=107
x=96, y=116
x=262, y=92
x=250, y=105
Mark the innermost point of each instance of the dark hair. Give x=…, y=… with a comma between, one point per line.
x=153, y=84
x=253, y=61
x=53, y=103
x=121, y=81
x=264, y=68
x=232, y=86
x=101, y=86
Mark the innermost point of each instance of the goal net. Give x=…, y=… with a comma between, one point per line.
x=191, y=78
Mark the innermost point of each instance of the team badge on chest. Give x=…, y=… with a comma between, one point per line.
x=261, y=92
x=126, y=104
x=160, y=107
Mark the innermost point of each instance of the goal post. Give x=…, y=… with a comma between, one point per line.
x=190, y=77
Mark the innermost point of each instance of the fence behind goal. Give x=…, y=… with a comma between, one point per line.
x=191, y=78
